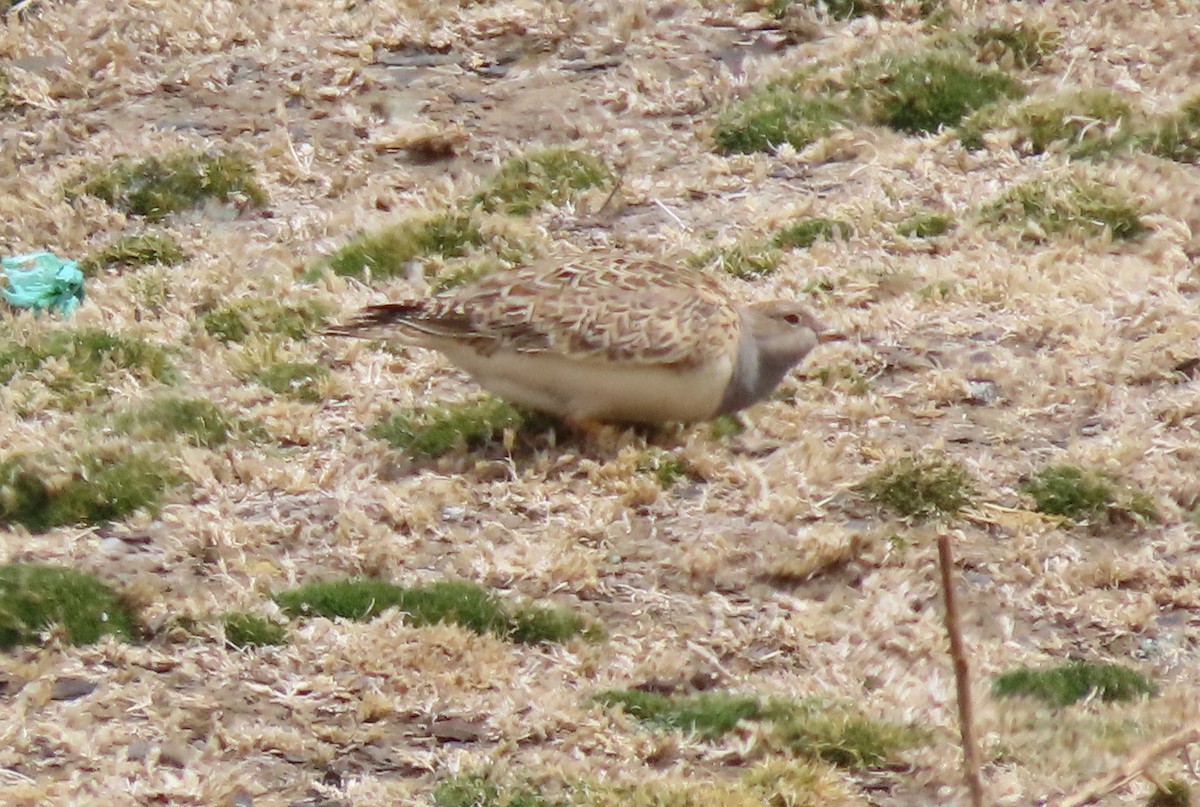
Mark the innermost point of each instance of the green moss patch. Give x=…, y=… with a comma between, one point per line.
x=1072, y=682
x=250, y=630
x=157, y=187
x=457, y=602
x=1086, y=123
x=744, y=261
x=91, y=489
x=136, y=250
x=924, y=92
x=478, y=790
x=1086, y=495
x=813, y=729
x=302, y=381
x=922, y=486
x=193, y=420
x=1177, y=137
x=1024, y=45
x=1045, y=207
x=773, y=116
x=804, y=233
x=387, y=253
x=667, y=469
x=235, y=320
x=525, y=184
x=90, y=356
x=36, y=599
x=925, y=225
x=431, y=432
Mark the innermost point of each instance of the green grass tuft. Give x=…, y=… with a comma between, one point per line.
x=250, y=630
x=457, y=602
x=1085, y=495
x=1086, y=123
x=743, y=261
x=1177, y=137
x=195, y=420
x=1025, y=45
x=91, y=356
x=387, y=253
x=136, y=250
x=155, y=188
x=525, y=184
x=97, y=488
x=668, y=469
x=925, y=225
x=432, y=432
x=1172, y=793
x=922, y=486
x=726, y=427
x=477, y=790
x=36, y=598
x=298, y=380
x=1041, y=208
x=816, y=730
x=924, y=92
x=709, y=714
x=804, y=233
x=238, y=319
x=837, y=734
x=773, y=116
x=1072, y=682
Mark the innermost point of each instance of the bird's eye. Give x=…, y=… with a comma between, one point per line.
x=792, y=319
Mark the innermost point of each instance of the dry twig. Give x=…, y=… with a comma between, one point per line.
x=962, y=674
x=1134, y=766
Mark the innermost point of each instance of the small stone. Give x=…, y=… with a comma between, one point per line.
x=69, y=689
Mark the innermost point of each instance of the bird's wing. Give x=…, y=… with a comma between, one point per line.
x=641, y=313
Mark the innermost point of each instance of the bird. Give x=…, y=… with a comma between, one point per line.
x=612, y=340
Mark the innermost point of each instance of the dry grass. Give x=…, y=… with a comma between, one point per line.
x=1006, y=347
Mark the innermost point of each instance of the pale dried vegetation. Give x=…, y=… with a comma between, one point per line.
x=191, y=439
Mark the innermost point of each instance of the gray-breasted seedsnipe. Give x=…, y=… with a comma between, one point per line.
x=610, y=341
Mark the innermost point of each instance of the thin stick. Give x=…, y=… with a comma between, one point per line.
x=962, y=674
x=1134, y=766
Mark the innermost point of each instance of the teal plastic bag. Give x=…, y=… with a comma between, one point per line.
x=41, y=280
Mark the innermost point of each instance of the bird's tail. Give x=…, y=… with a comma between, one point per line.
x=386, y=321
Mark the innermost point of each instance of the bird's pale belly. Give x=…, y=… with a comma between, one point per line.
x=588, y=389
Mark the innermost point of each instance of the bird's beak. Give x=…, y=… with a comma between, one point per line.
x=831, y=336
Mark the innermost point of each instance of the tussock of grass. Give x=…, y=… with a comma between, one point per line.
x=251, y=630
x=812, y=729
x=925, y=225
x=299, y=380
x=37, y=598
x=1085, y=123
x=1177, y=137
x=924, y=92
x=1082, y=494
x=525, y=184
x=773, y=116
x=1072, y=682
x=743, y=261
x=157, y=187
x=1024, y=44
x=236, y=320
x=804, y=233
x=136, y=250
x=433, y=432
x=90, y=354
x=457, y=602
x=94, y=489
x=922, y=486
x=387, y=253
x=462, y=275
x=1043, y=207
x=194, y=420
